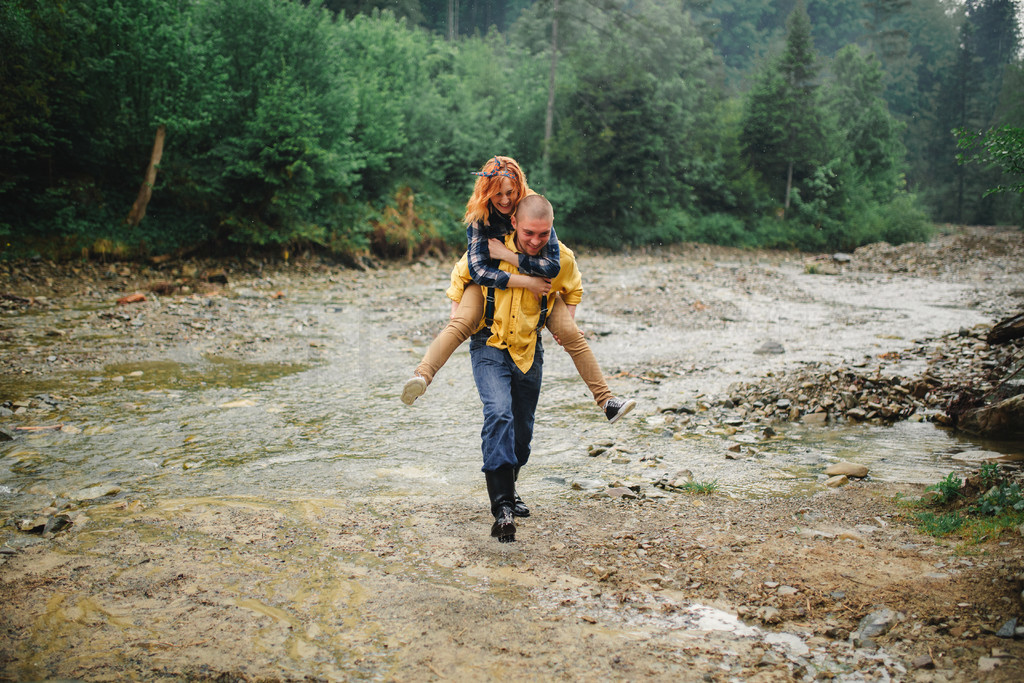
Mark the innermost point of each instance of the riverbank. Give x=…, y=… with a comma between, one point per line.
x=172, y=581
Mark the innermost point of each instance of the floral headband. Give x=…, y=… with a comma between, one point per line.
x=497, y=171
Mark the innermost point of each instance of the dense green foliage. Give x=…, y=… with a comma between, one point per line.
x=351, y=124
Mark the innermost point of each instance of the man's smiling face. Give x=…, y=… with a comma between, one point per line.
x=532, y=234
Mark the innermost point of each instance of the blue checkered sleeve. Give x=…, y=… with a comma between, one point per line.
x=482, y=268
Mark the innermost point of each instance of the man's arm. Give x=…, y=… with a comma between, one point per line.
x=569, y=281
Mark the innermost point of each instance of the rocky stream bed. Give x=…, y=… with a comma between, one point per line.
x=256, y=570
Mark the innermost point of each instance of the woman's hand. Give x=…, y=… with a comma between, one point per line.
x=538, y=286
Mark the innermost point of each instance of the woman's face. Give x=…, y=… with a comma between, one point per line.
x=505, y=200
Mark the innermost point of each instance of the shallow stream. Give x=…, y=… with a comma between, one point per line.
x=194, y=424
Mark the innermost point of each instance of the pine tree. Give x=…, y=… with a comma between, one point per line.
x=783, y=131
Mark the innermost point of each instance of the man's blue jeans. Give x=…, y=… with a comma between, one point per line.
x=510, y=402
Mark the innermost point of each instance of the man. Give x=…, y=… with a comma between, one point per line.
x=508, y=358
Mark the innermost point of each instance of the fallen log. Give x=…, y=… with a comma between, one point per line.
x=1003, y=420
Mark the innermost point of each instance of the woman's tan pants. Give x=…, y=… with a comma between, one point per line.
x=559, y=322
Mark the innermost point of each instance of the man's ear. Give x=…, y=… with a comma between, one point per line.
x=513, y=219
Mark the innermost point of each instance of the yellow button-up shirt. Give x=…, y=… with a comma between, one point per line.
x=517, y=310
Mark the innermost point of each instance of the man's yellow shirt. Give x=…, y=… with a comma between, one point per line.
x=517, y=310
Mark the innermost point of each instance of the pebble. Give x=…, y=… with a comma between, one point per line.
x=770, y=347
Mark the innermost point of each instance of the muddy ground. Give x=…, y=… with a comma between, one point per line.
x=669, y=587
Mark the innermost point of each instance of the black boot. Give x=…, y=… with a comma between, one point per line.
x=501, y=489
x=519, y=509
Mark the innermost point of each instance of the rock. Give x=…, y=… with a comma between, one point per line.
x=1003, y=420
x=770, y=347
x=1006, y=330
x=786, y=591
x=988, y=664
x=622, y=493
x=858, y=414
x=873, y=625
x=32, y=525
x=94, y=492
x=840, y=257
x=241, y=403
x=837, y=481
x=586, y=484
x=1008, y=630
x=815, y=418
x=847, y=468
x=57, y=523
x=4, y=436
x=131, y=299
x=811, y=534
x=851, y=536
x=923, y=662
x=768, y=615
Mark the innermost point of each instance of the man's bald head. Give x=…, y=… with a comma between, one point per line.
x=535, y=207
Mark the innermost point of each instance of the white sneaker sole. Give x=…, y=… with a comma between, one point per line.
x=413, y=389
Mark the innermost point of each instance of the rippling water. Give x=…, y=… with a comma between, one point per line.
x=214, y=426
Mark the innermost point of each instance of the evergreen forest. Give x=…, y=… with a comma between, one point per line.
x=146, y=127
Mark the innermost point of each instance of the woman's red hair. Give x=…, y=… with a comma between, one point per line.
x=488, y=184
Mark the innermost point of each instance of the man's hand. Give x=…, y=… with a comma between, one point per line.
x=499, y=251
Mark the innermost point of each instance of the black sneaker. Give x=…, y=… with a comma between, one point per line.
x=617, y=407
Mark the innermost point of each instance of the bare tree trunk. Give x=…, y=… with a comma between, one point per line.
x=138, y=211
x=549, y=116
x=789, y=184
x=453, y=20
